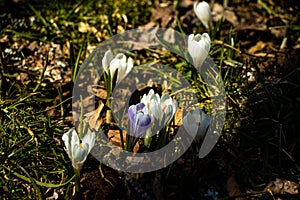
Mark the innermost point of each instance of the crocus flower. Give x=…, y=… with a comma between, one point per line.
x=77, y=151
x=119, y=62
x=198, y=47
x=140, y=120
x=196, y=122
x=203, y=12
x=123, y=65
x=162, y=109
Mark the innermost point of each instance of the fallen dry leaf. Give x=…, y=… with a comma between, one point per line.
x=186, y=3
x=231, y=17
x=218, y=13
x=259, y=46
x=94, y=117
x=115, y=138
x=233, y=187
x=282, y=187
x=162, y=15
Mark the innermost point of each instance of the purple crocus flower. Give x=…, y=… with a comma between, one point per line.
x=139, y=119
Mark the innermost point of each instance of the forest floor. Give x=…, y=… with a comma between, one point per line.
x=256, y=48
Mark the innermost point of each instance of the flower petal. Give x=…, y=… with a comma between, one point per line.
x=90, y=140
x=107, y=58
x=156, y=110
x=147, y=97
x=129, y=65
x=189, y=124
x=70, y=138
x=204, y=124
x=79, y=155
x=143, y=123
x=114, y=65
x=131, y=112
x=139, y=118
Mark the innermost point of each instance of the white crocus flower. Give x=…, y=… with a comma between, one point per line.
x=203, y=12
x=162, y=109
x=196, y=123
x=111, y=64
x=146, y=99
x=198, y=47
x=123, y=65
x=169, y=107
x=77, y=151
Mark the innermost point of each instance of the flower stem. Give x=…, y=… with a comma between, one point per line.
x=108, y=98
x=108, y=117
x=77, y=180
x=122, y=139
x=81, y=118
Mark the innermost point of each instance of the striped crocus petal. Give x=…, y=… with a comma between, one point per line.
x=140, y=120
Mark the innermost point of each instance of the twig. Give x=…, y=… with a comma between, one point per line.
x=226, y=45
x=102, y=175
x=2, y=72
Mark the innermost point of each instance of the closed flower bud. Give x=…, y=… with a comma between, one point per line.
x=196, y=123
x=203, y=12
x=198, y=47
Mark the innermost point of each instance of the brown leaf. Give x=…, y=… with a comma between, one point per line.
x=114, y=137
x=282, y=186
x=32, y=46
x=259, y=46
x=233, y=187
x=100, y=92
x=178, y=117
x=231, y=17
x=94, y=117
x=162, y=15
x=186, y=3
x=219, y=12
